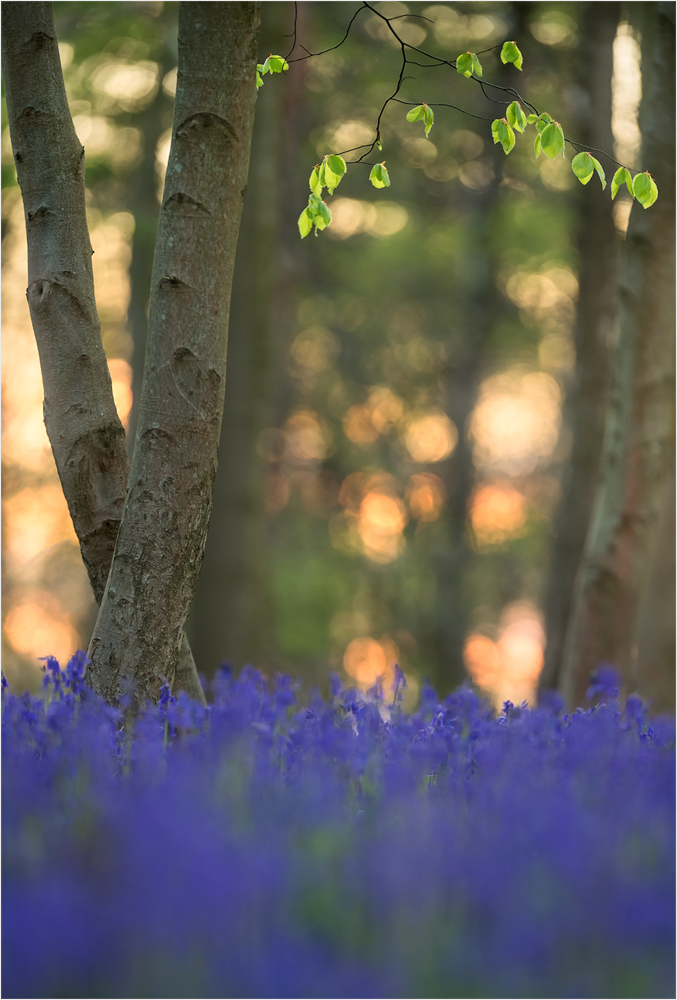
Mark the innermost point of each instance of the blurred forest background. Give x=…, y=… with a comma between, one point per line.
x=415, y=400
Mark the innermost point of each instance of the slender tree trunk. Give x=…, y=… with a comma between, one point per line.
x=597, y=310
x=87, y=438
x=164, y=526
x=231, y=616
x=639, y=440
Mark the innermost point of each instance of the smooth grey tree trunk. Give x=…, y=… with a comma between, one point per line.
x=597, y=311
x=161, y=539
x=639, y=439
x=87, y=438
x=231, y=618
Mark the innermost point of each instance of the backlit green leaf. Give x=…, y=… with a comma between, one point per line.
x=537, y=145
x=542, y=121
x=494, y=130
x=600, y=172
x=583, y=167
x=274, y=64
x=621, y=177
x=314, y=182
x=305, y=223
x=552, y=140
x=506, y=136
x=516, y=116
x=644, y=189
x=416, y=114
x=379, y=176
x=464, y=64
x=429, y=120
x=531, y=119
x=332, y=170
x=511, y=54
x=477, y=66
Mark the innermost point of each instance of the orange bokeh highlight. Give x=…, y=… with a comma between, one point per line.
x=431, y=437
x=308, y=437
x=121, y=376
x=497, y=513
x=364, y=422
x=366, y=660
x=426, y=494
x=382, y=520
x=358, y=425
x=508, y=670
x=37, y=627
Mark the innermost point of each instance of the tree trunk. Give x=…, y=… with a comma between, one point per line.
x=87, y=438
x=231, y=616
x=639, y=440
x=164, y=526
x=597, y=309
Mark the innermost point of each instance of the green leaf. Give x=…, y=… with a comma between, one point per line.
x=583, y=167
x=305, y=223
x=324, y=214
x=429, y=120
x=543, y=121
x=644, y=189
x=477, y=66
x=416, y=114
x=600, y=172
x=552, y=140
x=516, y=116
x=464, y=64
x=537, y=145
x=621, y=177
x=511, y=54
x=494, y=130
x=332, y=170
x=531, y=119
x=506, y=136
x=379, y=176
x=274, y=64
x=315, y=185
x=378, y=143
x=259, y=81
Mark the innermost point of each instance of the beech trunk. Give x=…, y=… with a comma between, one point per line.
x=639, y=439
x=84, y=430
x=161, y=539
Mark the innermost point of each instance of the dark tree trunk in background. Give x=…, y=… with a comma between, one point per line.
x=144, y=206
x=637, y=459
x=161, y=539
x=231, y=617
x=597, y=310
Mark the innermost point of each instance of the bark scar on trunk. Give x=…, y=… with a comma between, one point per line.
x=182, y=204
x=205, y=120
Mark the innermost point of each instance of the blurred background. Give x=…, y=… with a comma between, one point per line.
x=402, y=392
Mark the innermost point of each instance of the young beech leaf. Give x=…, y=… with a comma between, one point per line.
x=259, y=81
x=476, y=65
x=506, y=136
x=332, y=170
x=325, y=215
x=552, y=140
x=315, y=185
x=644, y=189
x=621, y=177
x=531, y=119
x=516, y=116
x=542, y=122
x=583, y=167
x=274, y=64
x=429, y=120
x=494, y=130
x=416, y=114
x=305, y=223
x=464, y=64
x=379, y=176
x=511, y=54
x=600, y=172
x=537, y=145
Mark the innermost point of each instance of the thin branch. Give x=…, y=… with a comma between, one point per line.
x=311, y=55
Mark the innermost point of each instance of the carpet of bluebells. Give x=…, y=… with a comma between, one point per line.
x=340, y=848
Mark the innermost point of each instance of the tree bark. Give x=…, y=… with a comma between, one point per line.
x=639, y=440
x=164, y=526
x=597, y=310
x=231, y=616
x=87, y=438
